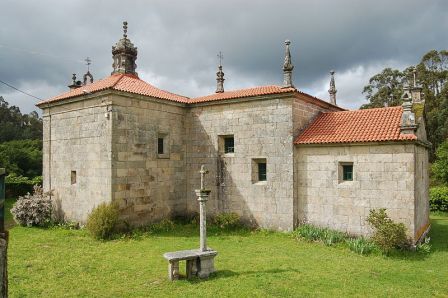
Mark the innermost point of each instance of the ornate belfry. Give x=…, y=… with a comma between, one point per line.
x=124, y=54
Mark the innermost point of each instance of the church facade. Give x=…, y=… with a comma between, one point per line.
x=277, y=156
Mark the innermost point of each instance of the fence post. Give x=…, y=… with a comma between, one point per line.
x=3, y=239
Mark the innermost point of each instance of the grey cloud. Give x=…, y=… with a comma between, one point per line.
x=178, y=40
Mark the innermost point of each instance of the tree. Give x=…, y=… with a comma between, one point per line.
x=384, y=88
x=440, y=166
x=22, y=157
x=17, y=126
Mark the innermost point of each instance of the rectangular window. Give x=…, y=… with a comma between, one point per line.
x=262, y=171
x=73, y=177
x=160, y=148
x=347, y=172
x=259, y=170
x=229, y=145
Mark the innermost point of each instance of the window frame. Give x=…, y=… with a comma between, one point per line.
x=166, y=145
x=257, y=177
x=226, y=147
x=343, y=172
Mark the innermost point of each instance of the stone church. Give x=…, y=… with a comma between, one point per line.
x=276, y=155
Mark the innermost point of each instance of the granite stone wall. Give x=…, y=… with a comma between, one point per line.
x=384, y=176
x=147, y=185
x=77, y=157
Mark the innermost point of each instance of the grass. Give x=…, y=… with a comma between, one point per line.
x=66, y=263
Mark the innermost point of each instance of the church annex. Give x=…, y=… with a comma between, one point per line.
x=277, y=156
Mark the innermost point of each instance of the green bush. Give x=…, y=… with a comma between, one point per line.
x=361, y=245
x=227, y=220
x=424, y=247
x=388, y=234
x=103, y=221
x=327, y=236
x=438, y=198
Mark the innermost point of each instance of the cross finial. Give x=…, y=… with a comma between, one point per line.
x=220, y=57
x=203, y=171
x=125, y=29
x=88, y=62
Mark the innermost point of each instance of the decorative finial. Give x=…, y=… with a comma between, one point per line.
x=125, y=29
x=414, y=72
x=332, y=89
x=74, y=79
x=220, y=75
x=287, y=67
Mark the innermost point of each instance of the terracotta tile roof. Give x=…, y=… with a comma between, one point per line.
x=120, y=82
x=372, y=125
x=257, y=91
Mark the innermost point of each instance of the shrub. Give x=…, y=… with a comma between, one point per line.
x=227, y=220
x=438, y=198
x=33, y=209
x=325, y=235
x=361, y=245
x=388, y=234
x=103, y=221
x=165, y=225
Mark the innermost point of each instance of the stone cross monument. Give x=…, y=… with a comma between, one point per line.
x=203, y=198
x=199, y=262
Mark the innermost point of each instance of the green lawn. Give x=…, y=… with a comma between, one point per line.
x=58, y=263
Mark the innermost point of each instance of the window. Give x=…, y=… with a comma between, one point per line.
x=345, y=171
x=262, y=171
x=259, y=170
x=163, y=145
x=229, y=145
x=73, y=177
x=160, y=145
x=226, y=145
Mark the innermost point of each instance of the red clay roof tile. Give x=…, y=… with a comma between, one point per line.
x=256, y=91
x=371, y=125
x=120, y=82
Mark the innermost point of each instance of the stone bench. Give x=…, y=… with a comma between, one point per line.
x=200, y=263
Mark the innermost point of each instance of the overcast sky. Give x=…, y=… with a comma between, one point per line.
x=43, y=42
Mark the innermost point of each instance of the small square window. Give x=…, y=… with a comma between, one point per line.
x=229, y=145
x=262, y=171
x=160, y=146
x=345, y=171
x=73, y=177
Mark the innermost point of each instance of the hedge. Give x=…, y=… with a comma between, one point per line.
x=438, y=198
x=17, y=186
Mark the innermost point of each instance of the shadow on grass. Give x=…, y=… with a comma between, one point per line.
x=229, y=274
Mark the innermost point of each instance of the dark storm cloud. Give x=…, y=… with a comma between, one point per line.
x=43, y=42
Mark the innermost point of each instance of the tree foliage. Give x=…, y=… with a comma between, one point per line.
x=440, y=166
x=22, y=157
x=386, y=88
x=17, y=126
